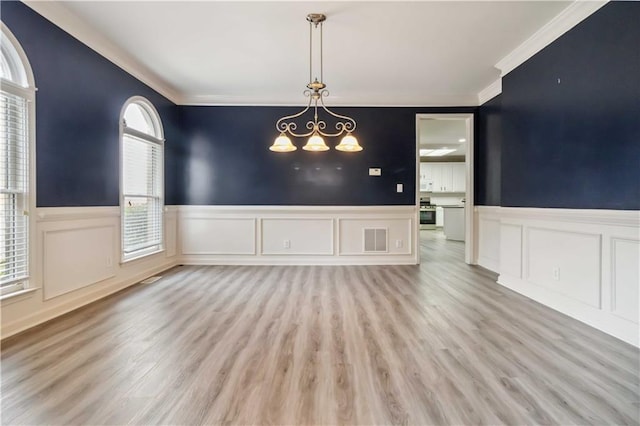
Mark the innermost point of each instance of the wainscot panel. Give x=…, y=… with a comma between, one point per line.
x=77, y=255
x=202, y=235
x=583, y=263
x=488, y=238
x=290, y=235
x=77, y=262
x=625, y=276
x=297, y=236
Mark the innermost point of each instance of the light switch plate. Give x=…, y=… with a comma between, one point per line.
x=375, y=171
x=399, y=187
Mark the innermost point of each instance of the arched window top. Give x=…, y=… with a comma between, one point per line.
x=140, y=115
x=14, y=66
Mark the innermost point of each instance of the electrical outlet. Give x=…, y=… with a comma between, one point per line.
x=399, y=187
x=287, y=244
x=109, y=262
x=556, y=274
x=398, y=243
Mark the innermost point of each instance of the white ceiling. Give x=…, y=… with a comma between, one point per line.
x=443, y=133
x=376, y=53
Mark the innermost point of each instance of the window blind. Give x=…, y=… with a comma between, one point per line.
x=14, y=233
x=142, y=195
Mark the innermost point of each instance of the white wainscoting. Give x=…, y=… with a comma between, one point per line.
x=307, y=236
x=76, y=255
x=77, y=261
x=215, y=235
x=583, y=263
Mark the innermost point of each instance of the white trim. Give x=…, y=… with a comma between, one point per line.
x=490, y=92
x=382, y=211
x=360, y=101
x=529, y=270
x=17, y=296
x=29, y=93
x=469, y=222
x=62, y=17
x=627, y=218
x=274, y=260
x=157, y=139
x=365, y=216
x=31, y=82
x=46, y=214
x=575, y=13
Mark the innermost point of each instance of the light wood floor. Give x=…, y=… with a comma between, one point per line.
x=441, y=343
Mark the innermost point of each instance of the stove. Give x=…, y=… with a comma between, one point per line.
x=427, y=215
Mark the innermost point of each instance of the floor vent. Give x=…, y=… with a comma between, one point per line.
x=375, y=240
x=150, y=280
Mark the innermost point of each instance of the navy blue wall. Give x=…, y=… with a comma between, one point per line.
x=227, y=159
x=488, y=154
x=570, y=118
x=78, y=103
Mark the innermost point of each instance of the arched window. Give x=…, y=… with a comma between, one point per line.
x=17, y=98
x=142, y=184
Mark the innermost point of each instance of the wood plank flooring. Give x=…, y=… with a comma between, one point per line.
x=439, y=343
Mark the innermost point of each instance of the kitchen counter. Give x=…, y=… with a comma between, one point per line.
x=454, y=222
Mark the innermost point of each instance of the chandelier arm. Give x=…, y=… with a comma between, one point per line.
x=349, y=125
x=289, y=127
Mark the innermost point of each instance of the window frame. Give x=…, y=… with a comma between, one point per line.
x=25, y=88
x=157, y=139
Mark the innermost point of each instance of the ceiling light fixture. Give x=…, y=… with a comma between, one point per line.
x=461, y=140
x=439, y=152
x=316, y=127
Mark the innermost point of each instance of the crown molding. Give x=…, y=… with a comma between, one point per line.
x=62, y=17
x=490, y=92
x=332, y=101
x=575, y=13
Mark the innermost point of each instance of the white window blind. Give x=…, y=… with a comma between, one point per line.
x=142, y=189
x=14, y=232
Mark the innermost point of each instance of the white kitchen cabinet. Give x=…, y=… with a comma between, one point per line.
x=442, y=177
x=459, y=177
x=424, y=181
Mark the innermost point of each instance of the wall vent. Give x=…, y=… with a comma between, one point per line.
x=375, y=240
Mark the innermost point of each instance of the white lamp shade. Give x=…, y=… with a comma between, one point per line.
x=282, y=144
x=349, y=144
x=315, y=143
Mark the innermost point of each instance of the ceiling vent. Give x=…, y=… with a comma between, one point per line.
x=375, y=240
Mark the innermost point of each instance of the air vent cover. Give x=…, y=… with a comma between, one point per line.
x=375, y=240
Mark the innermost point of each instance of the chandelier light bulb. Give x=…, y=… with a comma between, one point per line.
x=349, y=143
x=282, y=144
x=315, y=143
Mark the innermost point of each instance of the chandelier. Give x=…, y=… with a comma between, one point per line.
x=316, y=128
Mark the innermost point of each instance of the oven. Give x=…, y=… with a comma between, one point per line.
x=427, y=216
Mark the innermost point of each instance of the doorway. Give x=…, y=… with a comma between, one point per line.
x=444, y=176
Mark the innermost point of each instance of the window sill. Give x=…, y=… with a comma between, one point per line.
x=18, y=296
x=142, y=255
